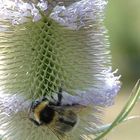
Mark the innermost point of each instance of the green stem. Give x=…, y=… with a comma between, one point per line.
x=125, y=111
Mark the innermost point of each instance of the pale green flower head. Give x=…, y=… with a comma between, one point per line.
x=47, y=45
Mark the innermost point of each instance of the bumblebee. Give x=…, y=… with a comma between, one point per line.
x=51, y=113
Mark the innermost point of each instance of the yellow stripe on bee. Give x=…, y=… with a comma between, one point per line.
x=38, y=109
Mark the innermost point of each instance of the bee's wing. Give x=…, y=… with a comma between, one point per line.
x=86, y=119
x=75, y=108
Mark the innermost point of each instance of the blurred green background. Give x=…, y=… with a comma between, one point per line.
x=123, y=24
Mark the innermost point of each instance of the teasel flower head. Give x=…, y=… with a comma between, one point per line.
x=47, y=45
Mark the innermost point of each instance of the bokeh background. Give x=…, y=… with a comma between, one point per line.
x=123, y=24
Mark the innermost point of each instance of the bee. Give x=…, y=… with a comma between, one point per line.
x=53, y=113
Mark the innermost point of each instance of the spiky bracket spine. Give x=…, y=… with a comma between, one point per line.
x=32, y=66
x=42, y=57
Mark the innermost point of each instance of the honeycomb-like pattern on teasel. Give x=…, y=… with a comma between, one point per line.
x=37, y=58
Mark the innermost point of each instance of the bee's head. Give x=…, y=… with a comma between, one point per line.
x=36, y=103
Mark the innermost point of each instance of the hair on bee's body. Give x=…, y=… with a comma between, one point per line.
x=61, y=117
x=43, y=113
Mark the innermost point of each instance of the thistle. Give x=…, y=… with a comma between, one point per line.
x=48, y=45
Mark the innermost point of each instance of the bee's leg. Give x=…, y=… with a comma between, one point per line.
x=59, y=96
x=35, y=122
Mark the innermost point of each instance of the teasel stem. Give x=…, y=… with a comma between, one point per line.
x=135, y=94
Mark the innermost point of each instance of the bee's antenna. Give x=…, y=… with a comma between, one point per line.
x=44, y=98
